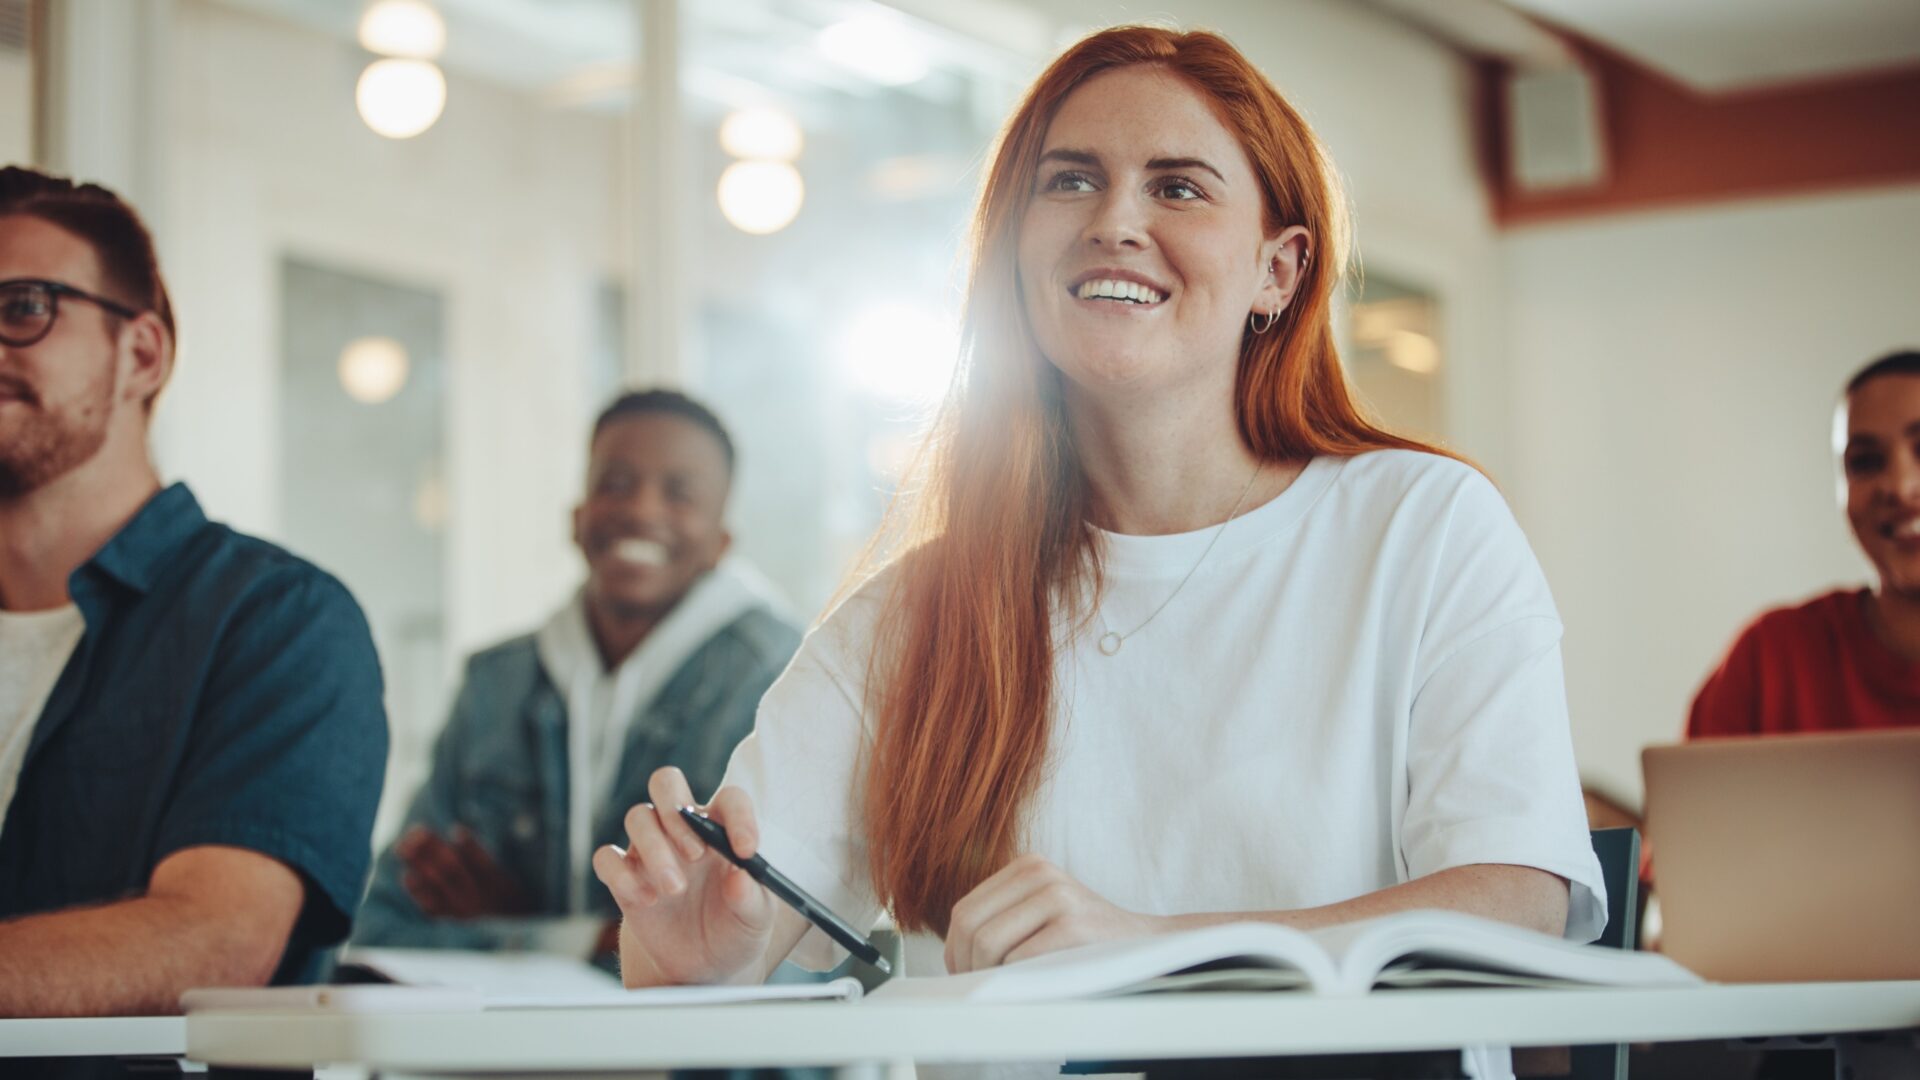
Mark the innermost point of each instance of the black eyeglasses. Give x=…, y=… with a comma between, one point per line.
x=28, y=307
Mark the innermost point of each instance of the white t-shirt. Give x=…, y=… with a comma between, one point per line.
x=34, y=648
x=1361, y=685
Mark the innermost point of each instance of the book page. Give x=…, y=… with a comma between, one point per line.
x=1134, y=965
x=1225, y=980
x=1414, y=977
x=1453, y=942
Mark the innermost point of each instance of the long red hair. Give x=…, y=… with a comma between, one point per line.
x=991, y=533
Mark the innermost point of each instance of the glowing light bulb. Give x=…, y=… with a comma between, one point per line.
x=400, y=98
x=761, y=197
x=373, y=369
x=761, y=135
x=404, y=28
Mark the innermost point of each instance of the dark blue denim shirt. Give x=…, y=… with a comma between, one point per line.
x=224, y=692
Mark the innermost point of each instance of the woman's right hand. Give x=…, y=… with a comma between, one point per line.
x=690, y=916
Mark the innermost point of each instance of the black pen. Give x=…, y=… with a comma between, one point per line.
x=714, y=835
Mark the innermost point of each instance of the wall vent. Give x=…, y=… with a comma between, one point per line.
x=1556, y=138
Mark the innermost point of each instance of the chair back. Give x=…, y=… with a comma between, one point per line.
x=1619, y=854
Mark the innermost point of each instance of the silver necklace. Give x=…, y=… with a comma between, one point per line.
x=1110, y=642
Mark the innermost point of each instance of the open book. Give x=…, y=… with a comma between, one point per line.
x=1409, y=949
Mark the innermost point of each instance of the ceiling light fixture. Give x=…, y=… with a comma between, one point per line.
x=761, y=197
x=400, y=98
x=761, y=135
x=373, y=369
x=410, y=29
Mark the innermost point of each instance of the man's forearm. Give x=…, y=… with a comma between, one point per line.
x=133, y=957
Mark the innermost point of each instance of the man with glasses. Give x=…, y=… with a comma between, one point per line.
x=191, y=730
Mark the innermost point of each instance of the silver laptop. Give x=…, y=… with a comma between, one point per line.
x=1789, y=858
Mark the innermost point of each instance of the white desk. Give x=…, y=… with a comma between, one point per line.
x=106, y=1036
x=1173, y=1026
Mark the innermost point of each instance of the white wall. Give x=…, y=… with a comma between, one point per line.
x=16, y=108
x=1673, y=381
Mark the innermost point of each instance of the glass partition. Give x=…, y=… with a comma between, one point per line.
x=837, y=148
x=1393, y=356
x=455, y=188
x=363, y=401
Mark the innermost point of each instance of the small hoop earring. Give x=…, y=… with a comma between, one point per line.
x=1306, y=260
x=1258, y=327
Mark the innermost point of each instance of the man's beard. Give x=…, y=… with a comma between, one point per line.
x=48, y=444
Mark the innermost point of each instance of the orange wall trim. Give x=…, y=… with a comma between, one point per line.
x=1667, y=145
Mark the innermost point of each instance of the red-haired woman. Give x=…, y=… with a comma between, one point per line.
x=1169, y=634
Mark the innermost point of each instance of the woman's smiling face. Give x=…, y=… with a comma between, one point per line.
x=1141, y=253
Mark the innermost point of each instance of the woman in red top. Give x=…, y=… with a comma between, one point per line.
x=1849, y=659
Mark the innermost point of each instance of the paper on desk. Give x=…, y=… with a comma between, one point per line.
x=842, y=989
x=508, y=980
x=515, y=974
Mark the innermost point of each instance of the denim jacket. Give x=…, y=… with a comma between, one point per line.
x=500, y=770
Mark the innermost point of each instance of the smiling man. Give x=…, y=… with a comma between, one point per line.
x=191, y=728
x=1851, y=658
x=660, y=659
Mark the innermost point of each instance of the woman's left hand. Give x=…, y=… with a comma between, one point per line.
x=1032, y=907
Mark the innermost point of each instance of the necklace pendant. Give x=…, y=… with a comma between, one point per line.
x=1110, y=643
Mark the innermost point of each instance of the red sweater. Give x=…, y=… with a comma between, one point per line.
x=1816, y=667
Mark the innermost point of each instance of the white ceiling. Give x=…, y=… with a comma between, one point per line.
x=1711, y=45
x=1723, y=45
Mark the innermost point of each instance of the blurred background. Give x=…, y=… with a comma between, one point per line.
x=1623, y=253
